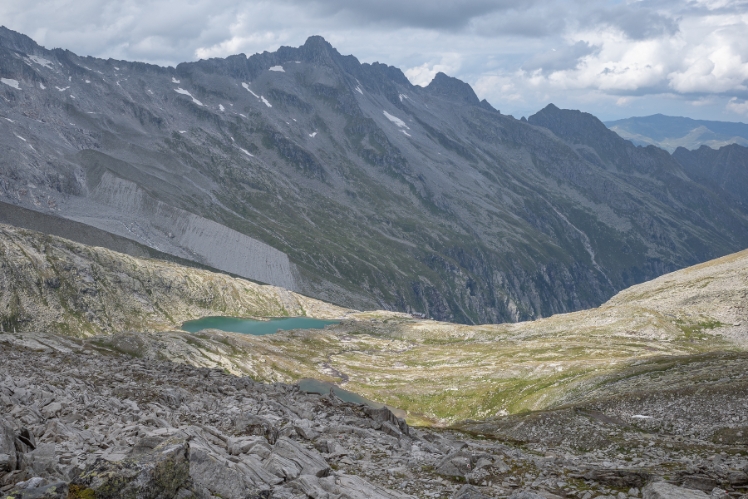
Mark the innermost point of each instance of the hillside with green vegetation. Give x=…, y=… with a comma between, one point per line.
x=438, y=372
x=53, y=285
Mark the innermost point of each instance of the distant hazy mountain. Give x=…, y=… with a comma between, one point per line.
x=671, y=132
x=309, y=170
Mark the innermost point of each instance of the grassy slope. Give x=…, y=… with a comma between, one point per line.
x=52, y=284
x=438, y=372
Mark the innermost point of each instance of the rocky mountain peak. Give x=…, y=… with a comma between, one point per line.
x=583, y=129
x=725, y=169
x=17, y=41
x=260, y=148
x=572, y=125
x=452, y=88
x=317, y=45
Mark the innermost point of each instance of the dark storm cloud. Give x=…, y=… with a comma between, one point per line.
x=430, y=14
x=538, y=21
x=637, y=23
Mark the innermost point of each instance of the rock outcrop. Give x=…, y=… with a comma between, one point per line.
x=346, y=182
x=80, y=423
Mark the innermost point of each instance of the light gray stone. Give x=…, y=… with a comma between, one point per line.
x=457, y=464
x=309, y=485
x=309, y=461
x=52, y=410
x=469, y=492
x=282, y=467
x=217, y=476
x=159, y=473
x=253, y=468
x=663, y=490
x=7, y=448
x=526, y=494
x=355, y=487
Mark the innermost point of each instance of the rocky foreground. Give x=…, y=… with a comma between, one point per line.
x=80, y=422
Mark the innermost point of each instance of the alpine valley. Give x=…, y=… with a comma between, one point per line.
x=524, y=309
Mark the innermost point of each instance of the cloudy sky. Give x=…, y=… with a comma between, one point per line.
x=614, y=59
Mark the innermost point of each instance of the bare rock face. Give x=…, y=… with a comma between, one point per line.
x=524, y=494
x=234, y=164
x=212, y=474
x=38, y=488
x=662, y=490
x=621, y=478
x=160, y=473
x=309, y=461
x=79, y=424
x=469, y=492
x=249, y=424
x=7, y=448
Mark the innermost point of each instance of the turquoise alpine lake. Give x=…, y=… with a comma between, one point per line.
x=255, y=327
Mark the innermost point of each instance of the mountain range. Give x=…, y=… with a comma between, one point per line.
x=672, y=132
x=306, y=169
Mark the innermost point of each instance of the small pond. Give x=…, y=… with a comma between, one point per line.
x=255, y=327
x=309, y=385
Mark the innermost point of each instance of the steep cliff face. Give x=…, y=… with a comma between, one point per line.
x=307, y=169
x=725, y=170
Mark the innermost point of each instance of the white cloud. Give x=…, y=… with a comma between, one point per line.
x=737, y=106
x=707, y=54
x=622, y=101
x=504, y=86
x=422, y=75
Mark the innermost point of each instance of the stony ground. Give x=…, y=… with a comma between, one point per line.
x=78, y=420
x=439, y=373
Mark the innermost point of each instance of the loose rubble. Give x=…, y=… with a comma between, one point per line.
x=77, y=422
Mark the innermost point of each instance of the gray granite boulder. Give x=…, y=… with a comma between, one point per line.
x=157, y=474
x=663, y=490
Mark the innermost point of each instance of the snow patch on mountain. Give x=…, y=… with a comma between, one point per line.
x=249, y=90
x=41, y=61
x=11, y=83
x=397, y=121
x=182, y=91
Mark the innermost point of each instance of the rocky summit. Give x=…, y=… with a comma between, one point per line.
x=80, y=422
x=306, y=169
